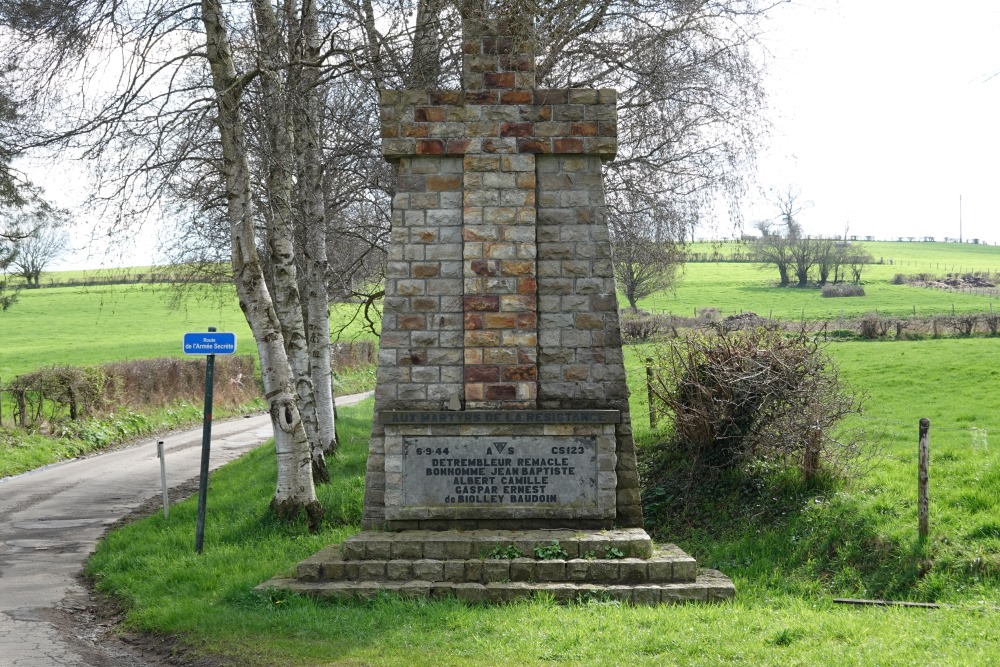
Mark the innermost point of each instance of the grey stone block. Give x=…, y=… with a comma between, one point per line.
x=371, y=570
x=632, y=570
x=353, y=549
x=474, y=570
x=454, y=571
x=410, y=550
x=603, y=571
x=685, y=569
x=399, y=570
x=550, y=570
x=523, y=569
x=428, y=570
x=378, y=548
x=308, y=571
x=577, y=570
x=333, y=570
x=471, y=593
x=496, y=570
x=414, y=590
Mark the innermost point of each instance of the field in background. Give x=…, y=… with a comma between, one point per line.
x=735, y=287
x=916, y=255
x=89, y=325
x=80, y=326
x=857, y=540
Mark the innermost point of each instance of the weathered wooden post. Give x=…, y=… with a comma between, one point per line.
x=653, y=417
x=810, y=458
x=160, y=454
x=923, y=497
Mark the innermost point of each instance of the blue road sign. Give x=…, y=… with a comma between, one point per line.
x=215, y=342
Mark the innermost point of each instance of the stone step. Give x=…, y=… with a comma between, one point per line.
x=470, y=544
x=668, y=564
x=709, y=586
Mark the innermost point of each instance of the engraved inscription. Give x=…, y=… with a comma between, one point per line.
x=501, y=417
x=506, y=471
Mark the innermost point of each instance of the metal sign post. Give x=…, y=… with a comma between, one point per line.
x=210, y=343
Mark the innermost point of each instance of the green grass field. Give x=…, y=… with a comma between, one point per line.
x=852, y=539
x=735, y=287
x=787, y=571
x=911, y=256
x=91, y=325
x=80, y=326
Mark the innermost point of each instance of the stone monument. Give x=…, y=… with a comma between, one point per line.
x=501, y=405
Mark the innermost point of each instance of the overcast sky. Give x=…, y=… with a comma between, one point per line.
x=884, y=113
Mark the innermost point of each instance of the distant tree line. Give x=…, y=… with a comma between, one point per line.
x=783, y=244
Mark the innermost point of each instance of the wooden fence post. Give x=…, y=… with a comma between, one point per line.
x=653, y=417
x=923, y=497
x=810, y=457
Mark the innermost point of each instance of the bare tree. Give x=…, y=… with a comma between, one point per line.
x=858, y=258
x=805, y=251
x=47, y=241
x=782, y=242
x=646, y=256
x=789, y=204
x=773, y=248
x=8, y=253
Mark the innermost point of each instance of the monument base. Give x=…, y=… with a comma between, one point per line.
x=491, y=566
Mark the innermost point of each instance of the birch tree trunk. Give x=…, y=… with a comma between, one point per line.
x=312, y=221
x=294, y=491
x=277, y=105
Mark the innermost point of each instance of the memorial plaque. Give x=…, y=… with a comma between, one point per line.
x=500, y=471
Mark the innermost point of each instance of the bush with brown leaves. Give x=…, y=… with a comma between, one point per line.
x=755, y=399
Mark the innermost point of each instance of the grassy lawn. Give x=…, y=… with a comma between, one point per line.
x=733, y=288
x=79, y=326
x=911, y=256
x=852, y=540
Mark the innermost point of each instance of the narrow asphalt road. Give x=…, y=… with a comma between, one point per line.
x=51, y=520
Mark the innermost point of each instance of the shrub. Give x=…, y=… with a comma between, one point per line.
x=749, y=320
x=992, y=322
x=709, y=314
x=57, y=392
x=641, y=327
x=964, y=325
x=843, y=290
x=872, y=326
x=754, y=400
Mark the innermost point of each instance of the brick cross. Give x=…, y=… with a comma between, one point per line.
x=497, y=124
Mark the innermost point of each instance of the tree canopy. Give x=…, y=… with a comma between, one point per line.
x=253, y=127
